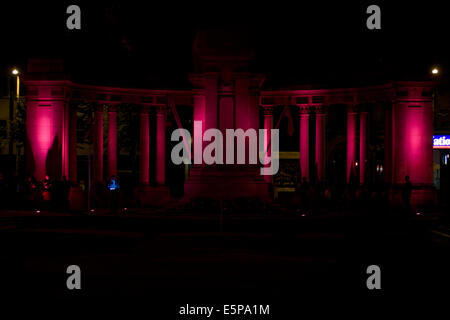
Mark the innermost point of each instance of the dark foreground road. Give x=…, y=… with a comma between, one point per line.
x=169, y=259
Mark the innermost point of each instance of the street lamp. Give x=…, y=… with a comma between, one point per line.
x=12, y=101
x=435, y=75
x=15, y=72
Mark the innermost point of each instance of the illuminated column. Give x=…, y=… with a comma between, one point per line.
x=73, y=143
x=320, y=143
x=304, y=142
x=268, y=125
x=112, y=141
x=351, y=139
x=98, y=144
x=144, y=160
x=65, y=141
x=413, y=142
x=387, y=170
x=161, y=145
x=362, y=146
x=199, y=115
x=47, y=131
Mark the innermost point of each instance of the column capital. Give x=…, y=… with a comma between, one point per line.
x=97, y=107
x=319, y=109
x=363, y=109
x=112, y=107
x=161, y=110
x=198, y=93
x=304, y=109
x=144, y=109
x=352, y=108
x=198, y=97
x=268, y=111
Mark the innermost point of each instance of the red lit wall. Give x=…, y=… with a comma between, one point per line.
x=47, y=127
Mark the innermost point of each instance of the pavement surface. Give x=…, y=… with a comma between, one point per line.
x=174, y=257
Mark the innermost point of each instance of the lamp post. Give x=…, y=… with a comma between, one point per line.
x=13, y=96
x=435, y=74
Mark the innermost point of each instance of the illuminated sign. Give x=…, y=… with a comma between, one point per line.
x=441, y=142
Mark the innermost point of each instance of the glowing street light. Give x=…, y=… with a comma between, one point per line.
x=435, y=71
x=15, y=72
x=13, y=97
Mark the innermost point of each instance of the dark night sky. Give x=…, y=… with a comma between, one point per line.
x=145, y=44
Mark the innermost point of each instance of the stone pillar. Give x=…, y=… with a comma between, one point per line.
x=73, y=143
x=144, y=159
x=304, y=142
x=46, y=135
x=98, y=144
x=65, y=141
x=351, y=140
x=268, y=125
x=198, y=115
x=413, y=142
x=320, y=143
x=161, y=145
x=112, y=141
x=388, y=154
x=362, y=146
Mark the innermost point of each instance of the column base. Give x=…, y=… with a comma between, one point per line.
x=150, y=196
x=77, y=199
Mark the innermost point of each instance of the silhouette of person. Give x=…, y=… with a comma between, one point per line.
x=47, y=188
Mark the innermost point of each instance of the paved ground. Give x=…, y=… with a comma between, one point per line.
x=178, y=258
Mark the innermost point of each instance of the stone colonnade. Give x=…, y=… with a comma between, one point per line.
x=51, y=126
